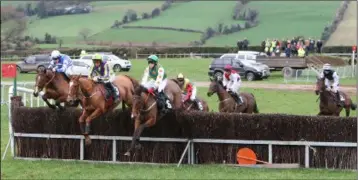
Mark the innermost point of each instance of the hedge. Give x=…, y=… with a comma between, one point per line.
x=131, y=51
x=190, y=125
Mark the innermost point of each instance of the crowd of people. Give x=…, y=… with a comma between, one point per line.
x=295, y=47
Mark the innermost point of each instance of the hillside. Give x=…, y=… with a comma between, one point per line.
x=284, y=19
x=345, y=34
x=277, y=19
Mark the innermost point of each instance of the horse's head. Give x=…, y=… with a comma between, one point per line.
x=320, y=86
x=214, y=86
x=43, y=77
x=73, y=89
x=140, y=98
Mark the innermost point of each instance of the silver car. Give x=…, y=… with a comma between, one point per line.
x=33, y=63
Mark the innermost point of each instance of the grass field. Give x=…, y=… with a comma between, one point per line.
x=347, y=25
x=284, y=19
x=102, y=18
x=196, y=70
x=308, y=17
x=146, y=35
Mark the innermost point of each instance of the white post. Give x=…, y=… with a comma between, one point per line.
x=353, y=57
x=11, y=133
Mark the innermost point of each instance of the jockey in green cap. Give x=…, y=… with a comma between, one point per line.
x=155, y=78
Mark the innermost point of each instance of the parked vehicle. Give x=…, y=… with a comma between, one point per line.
x=116, y=63
x=33, y=63
x=80, y=68
x=249, y=69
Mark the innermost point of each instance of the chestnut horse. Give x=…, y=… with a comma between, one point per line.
x=55, y=86
x=328, y=105
x=189, y=105
x=95, y=103
x=228, y=103
x=145, y=109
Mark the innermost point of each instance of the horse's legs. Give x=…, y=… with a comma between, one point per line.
x=348, y=110
x=93, y=115
x=138, y=131
x=81, y=121
x=44, y=98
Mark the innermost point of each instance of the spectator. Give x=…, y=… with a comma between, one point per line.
x=284, y=44
x=288, y=51
x=311, y=45
x=263, y=43
x=245, y=44
x=319, y=46
x=267, y=47
x=301, y=52
x=239, y=44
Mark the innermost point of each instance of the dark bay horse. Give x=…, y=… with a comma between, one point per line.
x=55, y=86
x=95, y=103
x=190, y=105
x=227, y=102
x=328, y=105
x=145, y=112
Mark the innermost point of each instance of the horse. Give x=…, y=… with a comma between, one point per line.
x=328, y=105
x=228, y=103
x=191, y=105
x=55, y=86
x=95, y=102
x=145, y=109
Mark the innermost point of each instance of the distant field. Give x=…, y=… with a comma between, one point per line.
x=196, y=15
x=146, y=35
x=103, y=16
x=347, y=26
x=284, y=19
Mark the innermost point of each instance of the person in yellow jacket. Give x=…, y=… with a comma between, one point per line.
x=189, y=90
x=301, y=52
x=100, y=72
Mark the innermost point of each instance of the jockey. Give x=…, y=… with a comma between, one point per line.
x=188, y=89
x=61, y=63
x=155, y=78
x=331, y=80
x=100, y=72
x=232, y=82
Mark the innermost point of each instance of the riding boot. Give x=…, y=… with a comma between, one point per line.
x=199, y=104
x=165, y=101
x=338, y=96
x=238, y=99
x=115, y=91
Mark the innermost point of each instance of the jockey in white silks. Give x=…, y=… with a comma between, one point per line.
x=155, y=78
x=61, y=63
x=232, y=82
x=331, y=81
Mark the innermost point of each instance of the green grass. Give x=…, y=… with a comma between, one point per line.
x=284, y=19
x=146, y=35
x=100, y=19
x=196, y=70
x=197, y=15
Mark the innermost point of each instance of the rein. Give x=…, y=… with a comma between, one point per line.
x=53, y=77
x=150, y=107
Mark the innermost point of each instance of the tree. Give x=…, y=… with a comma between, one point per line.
x=84, y=33
x=13, y=24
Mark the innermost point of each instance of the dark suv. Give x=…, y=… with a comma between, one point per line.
x=249, y=69
x=33, y=63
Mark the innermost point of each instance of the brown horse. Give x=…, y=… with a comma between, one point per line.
x=145, y=109
x=228, y=103
x=55, y=86
x=190, y=105
x=95, y=103
x=328, y=105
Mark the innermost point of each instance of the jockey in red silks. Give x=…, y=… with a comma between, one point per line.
x=232, y=82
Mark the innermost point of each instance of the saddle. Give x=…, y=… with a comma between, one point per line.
x=108, y=92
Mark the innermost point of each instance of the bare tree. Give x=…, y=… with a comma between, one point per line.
x=13, y=24
x=84, y=33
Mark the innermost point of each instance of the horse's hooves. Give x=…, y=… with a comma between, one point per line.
x=127, y=154
x=88, y=141
x=138, y=146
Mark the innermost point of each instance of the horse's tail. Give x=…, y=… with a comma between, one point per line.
x=256, y=109
x=353, y=106
x=134, y=81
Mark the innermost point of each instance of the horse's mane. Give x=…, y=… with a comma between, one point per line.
x=175, y=80
x=134, y=81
